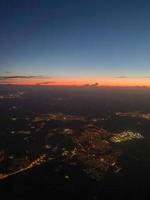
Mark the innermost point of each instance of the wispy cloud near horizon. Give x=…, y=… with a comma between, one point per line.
x=122, y=77
x=46, y=83
x=121, y=80
x=21, y=77
x=24, y=79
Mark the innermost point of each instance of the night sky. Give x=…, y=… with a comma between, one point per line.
x=75, y=42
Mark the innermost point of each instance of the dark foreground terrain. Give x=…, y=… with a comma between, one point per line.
x=74, y=142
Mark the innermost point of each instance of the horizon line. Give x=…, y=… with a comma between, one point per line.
x=86, y=86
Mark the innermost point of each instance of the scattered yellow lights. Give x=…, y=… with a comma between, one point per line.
x=14, y=119
x=67, y=177
x=125, y=136
x=34, y=163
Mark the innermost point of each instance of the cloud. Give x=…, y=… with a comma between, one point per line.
x=45, y=83
x=146, y=76
x=122, y=77
x=7, y=72
x=18, y=77
x=92, y=85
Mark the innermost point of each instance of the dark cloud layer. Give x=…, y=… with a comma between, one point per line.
x=45, y=83
x=91, y=85
x=18, y=77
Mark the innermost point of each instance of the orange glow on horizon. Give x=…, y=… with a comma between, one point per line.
x=102, y=81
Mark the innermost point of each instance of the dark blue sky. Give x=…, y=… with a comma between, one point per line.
x=75, y=37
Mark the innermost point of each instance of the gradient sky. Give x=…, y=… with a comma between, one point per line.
x=75, y=42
